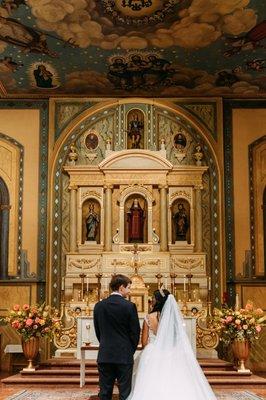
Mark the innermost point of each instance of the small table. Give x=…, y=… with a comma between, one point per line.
x=11, y=349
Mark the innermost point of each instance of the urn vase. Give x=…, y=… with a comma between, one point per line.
x=30, y=349
x=241, y=349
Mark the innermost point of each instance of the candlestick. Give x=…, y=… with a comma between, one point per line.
x=87, y=280
x=82, y=276
x=209, y=283
x=189, y=285
x=99, y=285
x=105, y=283
x=63, y=284
x=184, y=283
x=173, y=277
x=159, y=277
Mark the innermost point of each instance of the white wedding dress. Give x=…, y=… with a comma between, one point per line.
x=167, y=368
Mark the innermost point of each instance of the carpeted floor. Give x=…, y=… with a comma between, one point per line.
x=82, y=395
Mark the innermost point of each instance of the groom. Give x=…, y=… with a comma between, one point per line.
x=117, y=329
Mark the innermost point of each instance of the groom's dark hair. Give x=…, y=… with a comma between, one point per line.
x=119, y=280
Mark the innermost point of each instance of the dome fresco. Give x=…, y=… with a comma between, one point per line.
x=132, y=48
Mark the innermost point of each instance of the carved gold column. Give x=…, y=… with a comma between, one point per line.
x=73, y=218
x=163, y=217
x=108, y=218
x=198, y=219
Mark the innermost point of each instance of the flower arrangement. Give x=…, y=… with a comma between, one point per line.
x=33, y=321
x=243, y=324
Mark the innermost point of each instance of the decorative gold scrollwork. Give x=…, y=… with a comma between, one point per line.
x=207, y=335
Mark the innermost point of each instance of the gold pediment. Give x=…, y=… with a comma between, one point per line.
x=135, y=160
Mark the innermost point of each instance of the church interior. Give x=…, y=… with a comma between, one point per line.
x=132, y=141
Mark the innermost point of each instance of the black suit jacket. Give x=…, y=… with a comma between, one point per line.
x=117, y=329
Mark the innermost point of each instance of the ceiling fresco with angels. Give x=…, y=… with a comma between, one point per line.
x=133, y=47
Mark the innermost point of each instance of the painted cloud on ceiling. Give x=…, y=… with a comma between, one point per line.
x=197, y=26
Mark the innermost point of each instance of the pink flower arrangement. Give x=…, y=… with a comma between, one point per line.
x=29, y=321
x=243, y=324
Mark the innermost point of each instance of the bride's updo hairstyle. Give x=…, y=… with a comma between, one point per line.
x=160, y=299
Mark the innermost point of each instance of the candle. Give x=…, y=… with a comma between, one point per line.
x=105, y=283
x=87, y=284
x=237, y=302
x=165, y=282
x=184, y=283
x=209, y=283
x=63, y=284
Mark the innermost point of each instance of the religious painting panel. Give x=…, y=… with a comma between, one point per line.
x=136, y=224
x=95, y=133
x=181, y=221
x=135, y=129
x=138, y=299
x=91, y=140
x=91, y=215
x=132, y=48
x=178, y=141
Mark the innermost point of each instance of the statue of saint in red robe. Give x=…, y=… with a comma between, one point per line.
x=136, y=223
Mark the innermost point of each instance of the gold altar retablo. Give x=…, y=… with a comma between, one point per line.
x=139, y=294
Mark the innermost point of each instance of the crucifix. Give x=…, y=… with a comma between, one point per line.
x=135, y=263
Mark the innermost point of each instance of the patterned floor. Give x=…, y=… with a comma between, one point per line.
x=82, y=395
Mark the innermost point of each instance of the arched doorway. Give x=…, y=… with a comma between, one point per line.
x=4, y=229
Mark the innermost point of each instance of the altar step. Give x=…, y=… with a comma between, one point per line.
x=66, y=372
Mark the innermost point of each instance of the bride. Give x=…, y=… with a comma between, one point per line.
x=167, y=368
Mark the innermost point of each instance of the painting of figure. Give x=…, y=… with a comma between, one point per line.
x=135, y=131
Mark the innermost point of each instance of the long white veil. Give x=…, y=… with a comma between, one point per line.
x=168, y=368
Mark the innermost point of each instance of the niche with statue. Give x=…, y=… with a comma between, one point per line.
x=91, y=215
x=136, y=227
x=181, y=221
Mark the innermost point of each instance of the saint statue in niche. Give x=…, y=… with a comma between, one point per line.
x=181, y=222
x=135, y=221
x=135, y=129
x=92, y=223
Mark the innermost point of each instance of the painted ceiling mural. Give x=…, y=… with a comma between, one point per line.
x=133, y=47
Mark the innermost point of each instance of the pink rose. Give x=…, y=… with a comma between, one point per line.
x=16, y=307
x=29, y=322
x=15, y=324
x=26, y=307
x=37, y=319
x=229, y=319
x=249, y=307
x=258, y=328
